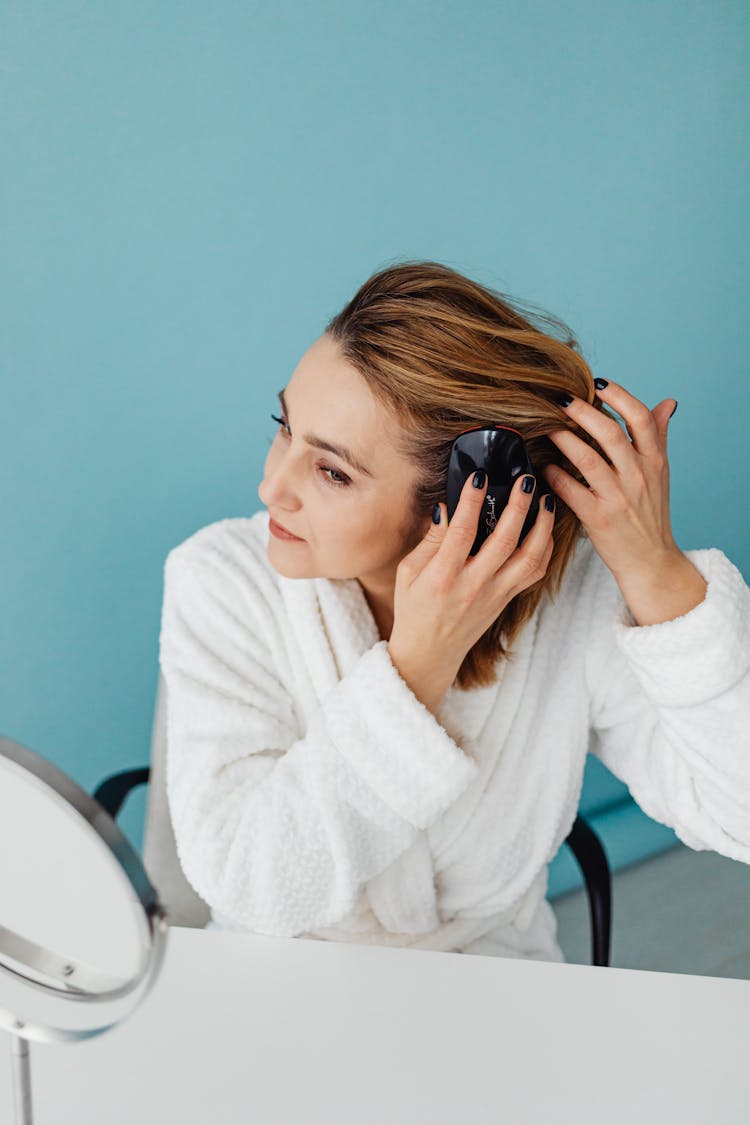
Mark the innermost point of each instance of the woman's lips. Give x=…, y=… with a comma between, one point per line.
x=281, y=532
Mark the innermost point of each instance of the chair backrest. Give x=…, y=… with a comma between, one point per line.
x=183, y=904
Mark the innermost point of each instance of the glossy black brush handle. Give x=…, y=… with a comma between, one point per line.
x=502, y=454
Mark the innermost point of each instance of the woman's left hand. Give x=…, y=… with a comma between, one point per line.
x=625, y=511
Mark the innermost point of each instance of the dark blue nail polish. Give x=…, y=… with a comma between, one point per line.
x=479, y=476
x=600, y=384
x=436, y=514
x=675, y=407
x=565, y=400
x=527, y=484
x=549, y=502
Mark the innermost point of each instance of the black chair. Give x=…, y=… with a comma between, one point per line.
x=186, y=908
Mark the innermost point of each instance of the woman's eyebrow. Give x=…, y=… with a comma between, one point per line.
x=321, y=443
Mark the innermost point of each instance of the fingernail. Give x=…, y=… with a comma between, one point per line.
x=565, y=400
x=527, y=485
x=549, y=502
x=479, y=476
x=436, y=514
x=600, y=384
x=675, y=407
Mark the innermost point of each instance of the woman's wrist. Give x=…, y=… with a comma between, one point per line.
x=428, y=684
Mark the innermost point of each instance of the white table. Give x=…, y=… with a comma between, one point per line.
x=241, y=1028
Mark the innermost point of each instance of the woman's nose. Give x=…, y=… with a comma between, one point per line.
x=277, y=488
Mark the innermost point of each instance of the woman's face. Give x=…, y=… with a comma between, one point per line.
x=353, y=522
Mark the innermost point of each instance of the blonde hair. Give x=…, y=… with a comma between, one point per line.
x=443, y=353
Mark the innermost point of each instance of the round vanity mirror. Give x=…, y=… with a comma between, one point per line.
x=82, y=931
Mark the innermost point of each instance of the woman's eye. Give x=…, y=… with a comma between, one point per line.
x=343, y=480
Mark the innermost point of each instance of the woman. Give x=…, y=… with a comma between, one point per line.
x=373, y=736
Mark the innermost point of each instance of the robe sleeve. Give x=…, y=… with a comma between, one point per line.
x=275, y=831
x=669, y=705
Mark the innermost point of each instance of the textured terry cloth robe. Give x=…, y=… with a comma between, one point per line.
x=313, y=795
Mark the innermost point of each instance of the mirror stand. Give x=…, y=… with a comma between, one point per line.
x=21, y=1077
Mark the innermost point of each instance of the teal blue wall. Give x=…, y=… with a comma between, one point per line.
x=189, y=191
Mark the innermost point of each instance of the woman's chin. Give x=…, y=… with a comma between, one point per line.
x=284, y=562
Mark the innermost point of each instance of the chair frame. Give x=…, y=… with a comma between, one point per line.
x=582, y=841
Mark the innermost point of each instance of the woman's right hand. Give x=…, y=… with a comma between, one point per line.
x=445, y=599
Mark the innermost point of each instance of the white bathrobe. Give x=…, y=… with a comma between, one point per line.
x=313, y=795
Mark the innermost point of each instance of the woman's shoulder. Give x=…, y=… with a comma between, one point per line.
x=232, y=549
x=581, y=570
x=586, y=564
x=233, y=537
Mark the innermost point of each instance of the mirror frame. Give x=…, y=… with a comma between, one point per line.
x=76, y=983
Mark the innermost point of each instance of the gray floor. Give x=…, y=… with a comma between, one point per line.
x=681, y=912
